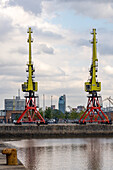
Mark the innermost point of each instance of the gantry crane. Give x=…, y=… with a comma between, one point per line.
x=93, y=111
x=109, y=99
x=30, y=87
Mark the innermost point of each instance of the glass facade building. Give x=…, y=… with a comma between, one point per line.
x=62, y=103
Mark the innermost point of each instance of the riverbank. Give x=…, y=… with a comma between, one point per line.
x=55, y=130
x=3, y=161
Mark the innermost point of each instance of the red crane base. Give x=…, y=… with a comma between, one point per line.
x=30, y=111
x=93, y=112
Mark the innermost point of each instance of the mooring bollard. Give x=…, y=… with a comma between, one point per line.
x=11, y=156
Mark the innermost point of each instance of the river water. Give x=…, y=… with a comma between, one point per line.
x=66, y=154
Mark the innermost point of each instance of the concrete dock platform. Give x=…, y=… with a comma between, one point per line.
x=3, y=165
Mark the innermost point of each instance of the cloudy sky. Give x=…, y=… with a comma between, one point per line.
x=61, y=49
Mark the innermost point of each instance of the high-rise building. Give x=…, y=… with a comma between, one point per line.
x=62, y=103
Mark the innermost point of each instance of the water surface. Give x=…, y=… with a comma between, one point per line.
x=66, y=154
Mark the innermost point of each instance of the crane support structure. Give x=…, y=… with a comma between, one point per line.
x=30, y=113
x=93, y=112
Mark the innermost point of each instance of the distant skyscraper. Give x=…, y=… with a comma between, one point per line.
x=62, y=103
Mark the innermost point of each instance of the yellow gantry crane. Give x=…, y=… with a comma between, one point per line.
x=93, y=86
x=31, y=87
x=93, y=111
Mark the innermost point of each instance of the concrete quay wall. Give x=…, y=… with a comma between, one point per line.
x=55, y=130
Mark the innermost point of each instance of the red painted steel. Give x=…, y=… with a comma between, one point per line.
x=93, y=112
x=31, y=111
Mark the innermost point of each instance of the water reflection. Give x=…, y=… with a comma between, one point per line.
x=30, y=155
x=66, y=154
x=94, y=154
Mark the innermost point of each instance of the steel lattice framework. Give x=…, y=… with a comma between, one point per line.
x=93, y=112
x=30, y=87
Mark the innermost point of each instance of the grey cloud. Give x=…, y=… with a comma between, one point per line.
x=90, y=8
x=99, y=1
x=104, y=45
x=83, y=42
x=45, y=49
x=48, y=34
x=5, y=27
x=11, y=71
x=35, y=6
x=61, y=90
x=20, y=50
x=62, y=71
x=55, y=74
x=54, y=77
x=106, y=49
x=75, y=96
x=94, y=8
x=105, y=42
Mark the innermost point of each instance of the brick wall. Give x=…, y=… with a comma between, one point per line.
x=9, y=114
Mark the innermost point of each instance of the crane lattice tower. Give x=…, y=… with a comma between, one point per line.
x=31, y=113
x=93, y=112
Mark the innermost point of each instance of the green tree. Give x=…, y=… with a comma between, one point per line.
x=57, y=114
x=80, y=114
x=73, y=115
x=67, y=115
x=41, y=111
x=48, y=114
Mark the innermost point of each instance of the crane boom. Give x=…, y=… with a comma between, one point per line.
x=93, y=86
x=30, y=86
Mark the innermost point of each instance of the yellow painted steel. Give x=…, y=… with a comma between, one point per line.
x=30, y=82
x=30, y=85
x=11, y=156
x=13, y=102
x=93, y=85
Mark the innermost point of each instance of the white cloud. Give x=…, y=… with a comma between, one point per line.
x=108, y=69
x=66, y=70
